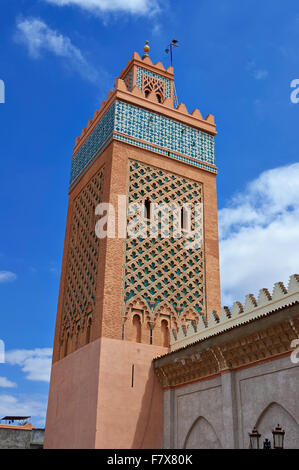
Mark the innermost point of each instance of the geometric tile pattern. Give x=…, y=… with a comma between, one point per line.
x=161, y=269
x=148, y=130
x=82, y=262
x=165, y=132
x=128, y=79
x=90, y=148
x=175, y=156
x=141, y=72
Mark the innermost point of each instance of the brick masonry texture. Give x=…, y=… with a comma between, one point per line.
x=158, y=269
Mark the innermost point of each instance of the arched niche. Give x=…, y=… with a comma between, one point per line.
x=202, y=435
x=165, y=333
x=137, y=328
x=275, y=414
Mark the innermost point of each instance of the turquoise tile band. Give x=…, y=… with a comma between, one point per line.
x=148, y=130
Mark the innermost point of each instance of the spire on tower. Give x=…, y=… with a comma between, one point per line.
x=146, y=50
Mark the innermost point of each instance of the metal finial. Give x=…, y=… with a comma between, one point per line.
x=146, y=50
x=174, y=43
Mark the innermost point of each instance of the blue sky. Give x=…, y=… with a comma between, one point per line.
x=59, y=59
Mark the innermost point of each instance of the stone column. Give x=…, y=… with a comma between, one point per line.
x=229, y=410
x=168, y=435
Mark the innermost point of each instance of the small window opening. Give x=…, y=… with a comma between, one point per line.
x=147, y=209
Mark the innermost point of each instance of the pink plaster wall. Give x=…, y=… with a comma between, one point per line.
x=129, y=417
x=71, y=414
x=92, y=403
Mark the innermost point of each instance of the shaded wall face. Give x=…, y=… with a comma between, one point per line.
x=268, y=396
x=202, y=436
x=106, y=395
x=220, y=412
x=130, y=397
x=71, y=414
x=14, y=439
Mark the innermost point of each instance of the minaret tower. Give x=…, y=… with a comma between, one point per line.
x=120, y=296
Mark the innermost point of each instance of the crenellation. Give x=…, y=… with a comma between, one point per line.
x=147, y=60
x=237, y=309
x=182, y=333
x=120, y=84
x=197, y=114
x=239, y=313
x=137, y=92
x=210, y=118
x=250, y=303
x=160, y=66
x=132, y=87
x=263, y=297
x=293, y=284
x=278, y=291
x=214, y=319
x=182, y=108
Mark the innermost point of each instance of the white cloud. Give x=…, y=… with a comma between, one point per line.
x=157, y=29
x=36, y=363
x=36, y=407
x=5, y=383
x=256, y=72
x=135, y=7
x=38, y=38
x=7, y=276
x=260, y=74
x=259, y=234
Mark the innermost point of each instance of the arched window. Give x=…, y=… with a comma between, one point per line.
x=165, y=333
x=137, y=328
x=88, y=331
x=147, y=92
x=159, y=97
x=147, y=209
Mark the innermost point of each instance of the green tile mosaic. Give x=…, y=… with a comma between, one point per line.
x=146, y=129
